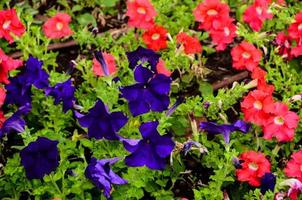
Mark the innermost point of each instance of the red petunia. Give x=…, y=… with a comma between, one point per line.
x=256, y=107
x=2, y=118
x=259, y=75
x=295, y=29
x=223, y=33
x=10, y=24
x=190, y=44
x=141, y=14
x=161, y=69
x=294, y=166
x=156, y=38
x=245, y=56
x=57, y=26
x=254, y=167
x=281, y=124
x=284, y=44
x=209, y=12
x=109, y=59
x=256, y=14
x=2, y=96
x=7, y=64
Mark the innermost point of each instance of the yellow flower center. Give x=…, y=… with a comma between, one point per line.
x=141, y=10
x=259, y=10
x=226, y=31
x=6, y=24
x=246, y=55
x=253, y=166
x=300, y=27
x=212, y=12
x=59, y=26
x=257, y=105
x=279, y=120
x=155, y=36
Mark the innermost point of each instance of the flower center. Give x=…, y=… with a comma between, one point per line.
x=300, y=27
x=59, y=26
x=279, y=120
x=212, y=12
x=141, y=10
x=259, y=10
x=226, y=31
x=6, y=24
x=257, y=105
x=155, y=36
x=253, y=166
x=286, y=44
x=246, y=55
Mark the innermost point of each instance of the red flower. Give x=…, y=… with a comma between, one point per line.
x=254, y=167
x=10, y=24
x=57, y=26
x=2, y=118
x=161, y=69
x=141, y=14
x=156, y=38
x=245, y=56
x=256, y=106
x=109, y=59
x=7, y=64
x=209, y=12
x=191, y=44
x=295, y=29
x=281, y=124
x=256, y=14
x=284, y=44
x=259, y=74
x=223, y=33
x=2, y=96
x=294, y=166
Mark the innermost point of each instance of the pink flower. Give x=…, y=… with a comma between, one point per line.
x=256, y=14
x=141, y=14
x=7, y=64
x=110, y=62
x=295, y=29
x=10, y=24
x=57, y=26
x=161, y=69
x=284, y=44
x=293, y=166
x=2, y=96
x=281, y=124
x=209, y=12
x=246, y=56
x=295, y=188
x=155, y=38
x=191, y=44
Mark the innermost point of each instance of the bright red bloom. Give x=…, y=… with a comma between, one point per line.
x=281, y=124
x=7, y=64
x=141, y=14
x=246, y=56
x=295, y=29
x=2, y=96
x=191, y=44
x=10, y=24
x=223, y=33
x=260, y=74
x=209, y=12
x=156, y=38
x=294, y=166
x=2, y=118
x=254, y=167
x=109, y=59
x=256, y=14
x=256, y=107
x=284, y=44
x=57, y=26
x=161, y=69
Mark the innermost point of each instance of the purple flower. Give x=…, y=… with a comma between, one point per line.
x=171, y=110
x=100, y=58
x=151, y=92
x=62, y=92
x=17, y=93
x=152, y=150
x=100, y=173
x=268, y=182
x=101, y=123
x=141, y=56
x=188, y=146
x=15, y=123
x=40, y=158
x=225, y=129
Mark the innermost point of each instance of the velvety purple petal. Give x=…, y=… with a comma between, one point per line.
x=138, y=107
x=160, y=84
x=139, y=157
x=164, y=146
x=242, y=126
x=131, y=145
x=155, y=162
x=133, y=92
x=142, y=74
x=116, y=179
x=158, y=103
x=118, y=120
x=85, y=121
x=149, y=129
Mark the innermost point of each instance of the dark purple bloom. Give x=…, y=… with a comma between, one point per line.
x=100, y=58
x=17, y=93
x=188, y=146
x=62, y=92
x=100, y=173
x=268, y=182
x=40, y=158
x=101, y=123
x=151, y=92
x=171, y=110
x=141, y=56
x=152, y=150
x=15, y=123
x=225, y=129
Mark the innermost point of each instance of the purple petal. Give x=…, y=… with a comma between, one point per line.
x=149, y=129
x=165, y=146
x=158, y=103
x=242, y=126
x=142, y=74
x=133, y=92
x=160, y=84
x=138, y=107
x=118, y=120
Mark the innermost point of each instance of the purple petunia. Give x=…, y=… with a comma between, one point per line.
x=100, y=173
x=225, y=129
x=101, y=123
x=141, y=56
x=268, y=182
x=15, y=123
x=17, y=93
x=62, y=92
x=152, y=150
x=40, y=158
x=151, y=92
